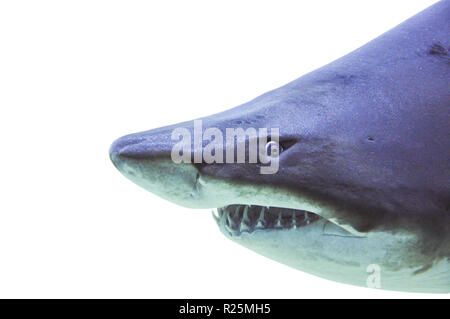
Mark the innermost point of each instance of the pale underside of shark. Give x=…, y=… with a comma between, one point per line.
x=362, y=192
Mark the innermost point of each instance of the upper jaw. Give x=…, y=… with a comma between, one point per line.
x=267, y=207
x=184, y=184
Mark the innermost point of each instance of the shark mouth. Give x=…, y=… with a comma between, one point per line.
x=237, y=219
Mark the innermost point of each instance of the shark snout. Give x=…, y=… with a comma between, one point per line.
x=126, y=147
x=145, y=159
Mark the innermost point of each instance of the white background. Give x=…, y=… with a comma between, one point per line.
x=75, y=75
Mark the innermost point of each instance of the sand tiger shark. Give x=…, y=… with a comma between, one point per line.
x=363, y=175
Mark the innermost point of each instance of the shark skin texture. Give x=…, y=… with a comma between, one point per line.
x=361, y=194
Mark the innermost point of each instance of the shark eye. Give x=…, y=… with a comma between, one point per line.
x=273, y=149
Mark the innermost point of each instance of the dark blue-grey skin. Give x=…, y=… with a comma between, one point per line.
x=362, y=192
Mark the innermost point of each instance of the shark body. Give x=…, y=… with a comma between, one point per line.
x=362, y=192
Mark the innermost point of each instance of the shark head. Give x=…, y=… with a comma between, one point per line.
x=342, y=173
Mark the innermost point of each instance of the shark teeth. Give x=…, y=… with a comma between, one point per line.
x=245, y=218
x=237, y=219
x=278, y=223
x=261, y=221
x=294, y=220
x=215, y=214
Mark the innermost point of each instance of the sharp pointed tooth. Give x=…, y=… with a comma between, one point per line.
x=215, y=215
x=278, y=224
x=237, y=216
x=307, y=218
x=261, y=214
x=230, y=220
x=245, y=228
x=233, y=221
x=223, y=214
x=227, y=223
x=261, y=222
x=245, y=219
x=245, y=223
x=294, y=221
